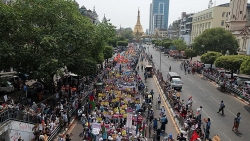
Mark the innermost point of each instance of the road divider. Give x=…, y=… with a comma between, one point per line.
x=168, y=107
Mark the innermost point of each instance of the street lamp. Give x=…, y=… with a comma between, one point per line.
x=148, y=49
x=203, y=48
x=160, y=54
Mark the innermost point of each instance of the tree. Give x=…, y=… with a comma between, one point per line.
x=127, y=33
x=108, y=52
x=210, y=57
x=179, y=44
x=190, y=53
x=122, y=43
x=216, y=39
x=230, y=62
x=121, y=38
x=245, y=67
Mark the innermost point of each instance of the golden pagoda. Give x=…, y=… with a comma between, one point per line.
x=138, y=31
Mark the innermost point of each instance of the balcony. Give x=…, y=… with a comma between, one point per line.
x=188, y=23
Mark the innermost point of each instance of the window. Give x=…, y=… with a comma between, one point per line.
x=223, y=14
x=222, y=23
x=209, y=24
x=227, y=14
x=240, y=12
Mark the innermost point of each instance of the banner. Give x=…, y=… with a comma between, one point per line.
x=129, y=121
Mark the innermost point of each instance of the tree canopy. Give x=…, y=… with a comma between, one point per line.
x=40, y=37
x=245, y=67
x=127, y=33
x=190, y=53
x=216, y=39
x=179, y=44
x=230, y=62
x=210, y=57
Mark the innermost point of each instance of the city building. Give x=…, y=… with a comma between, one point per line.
x=238, y=22
x=186, y=27
x=161, y=33
x=92, y=15
x=158, y=18
x=170, y=31
x=8, y=1
x=175, y=30
x=210, y=18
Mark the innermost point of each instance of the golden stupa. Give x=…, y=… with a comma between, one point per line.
x=138, y=31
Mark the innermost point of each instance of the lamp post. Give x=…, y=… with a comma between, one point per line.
x=148, y=49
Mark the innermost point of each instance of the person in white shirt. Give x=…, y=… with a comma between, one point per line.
x=119, y=137
x=199, y=110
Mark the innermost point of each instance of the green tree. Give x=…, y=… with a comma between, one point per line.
x=216, y=39
x=121, y=38
x=179, y=44
x=230, y=62
x=122, y=43
x=127, y=33
x=108, y=53
x=190, y=53
x=245, y=67
x=210, y=57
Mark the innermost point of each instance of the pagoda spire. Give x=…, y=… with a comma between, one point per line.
x=138, y=18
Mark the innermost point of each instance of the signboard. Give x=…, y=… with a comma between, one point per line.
x=216, y=138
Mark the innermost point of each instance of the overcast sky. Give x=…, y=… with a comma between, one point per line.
x=124, y=12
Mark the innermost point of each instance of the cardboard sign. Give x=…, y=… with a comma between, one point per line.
x=216, y=138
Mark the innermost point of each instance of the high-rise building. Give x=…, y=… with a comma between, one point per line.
x=159, y=11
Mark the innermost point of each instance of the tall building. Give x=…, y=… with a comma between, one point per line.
x=186, y=27
x=209, y=18
x=159, y=11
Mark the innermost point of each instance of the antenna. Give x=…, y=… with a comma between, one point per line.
x=210, y=4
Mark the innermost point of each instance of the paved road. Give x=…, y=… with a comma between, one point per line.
x=207, y=95
x=170, y=127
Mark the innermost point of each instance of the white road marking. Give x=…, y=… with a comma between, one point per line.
x=226, y=136
x=201, y=88
x=207, y=115
x=215, y=100
x=191, y=80
x=235, y=115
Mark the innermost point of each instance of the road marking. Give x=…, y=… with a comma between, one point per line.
x=235, y=115
x=207, y=115
x=191, y=80
x=215, y=99
x=226, y=136
x=170, y=114
x=201, y=88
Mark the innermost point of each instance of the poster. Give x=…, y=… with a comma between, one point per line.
x=129, y=121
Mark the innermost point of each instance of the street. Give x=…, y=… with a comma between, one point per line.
x=207, y=95
x=171, y=128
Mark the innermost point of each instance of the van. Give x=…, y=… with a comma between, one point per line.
x=172, y=75
x=6, y=87
x=149, y=70
x=176, y=83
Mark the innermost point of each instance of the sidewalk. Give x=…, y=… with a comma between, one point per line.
x=171, y=127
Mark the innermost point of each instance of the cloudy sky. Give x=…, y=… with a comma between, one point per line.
x=124, y=12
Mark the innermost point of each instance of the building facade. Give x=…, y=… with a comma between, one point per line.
x=159, y=11
x=209, y=18
x=186, y=27
x=175, y=31
x=238, y=22
x=92, y=15
x=161, y=33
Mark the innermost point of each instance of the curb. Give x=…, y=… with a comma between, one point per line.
x=165, y=98
x=241, y=99
x=69, y=126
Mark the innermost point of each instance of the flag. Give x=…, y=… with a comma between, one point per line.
x=91, y=102
x=194, y=136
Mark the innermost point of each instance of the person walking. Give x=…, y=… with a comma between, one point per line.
x=199, y=110
x=222, y=106
x=159, y=102
x=236, y=123
x=170, y=69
